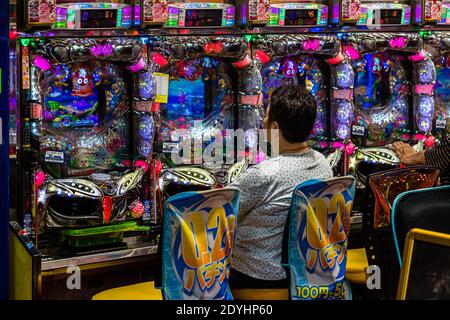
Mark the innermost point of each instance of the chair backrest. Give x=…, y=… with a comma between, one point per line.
x=198, y=235
x=425, y=273
x=389, y=184
x=426, y=209
x=381, y=190
x=319, y=222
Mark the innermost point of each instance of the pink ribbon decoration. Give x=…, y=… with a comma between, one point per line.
x=39, y=178
x=430, y=141
x=42, y=63
x=102, y=50
x=142, y=164
x=311, y=45
x=398, y=43
x=139, y=66
x=352, y=52
x=262, y=56
x=245, y=62
x=337, y=59
x=418, y=56
x=424, y=89
x=213, y=47
x=159, y=59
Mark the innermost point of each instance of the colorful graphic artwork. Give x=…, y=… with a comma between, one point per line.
x=199, y=232
x=442, y=92
x=300, y=70
x=382, y=86
x=85, y=117
x=199, y=90
x=319, y=226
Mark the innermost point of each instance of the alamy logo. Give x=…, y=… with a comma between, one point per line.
x=74, y=280
x=374, y=280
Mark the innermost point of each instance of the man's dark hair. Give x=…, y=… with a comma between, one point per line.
x=294, y=109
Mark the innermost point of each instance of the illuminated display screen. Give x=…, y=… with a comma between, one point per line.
x=297, y=17
x=390, y=16
x=203, y=18
x=186, y=101
x=371, y=82
x=98, y=18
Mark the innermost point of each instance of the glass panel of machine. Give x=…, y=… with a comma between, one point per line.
x=442, y=91
x=85, y=114
x=382, y=86
x=199, y=90
x=300, y=70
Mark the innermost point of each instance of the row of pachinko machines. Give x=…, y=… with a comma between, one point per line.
x=113, y=122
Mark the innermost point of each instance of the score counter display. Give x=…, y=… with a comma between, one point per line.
x=386, y=14
x=298, y=14
x=200, y=15
x=93, y=16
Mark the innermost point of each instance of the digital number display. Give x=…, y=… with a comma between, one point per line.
x=98, y=18
x=298, y=17
x=203, y=18
x=390, y=16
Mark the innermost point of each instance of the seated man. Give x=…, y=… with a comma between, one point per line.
x=438, y=156
x=266, y=190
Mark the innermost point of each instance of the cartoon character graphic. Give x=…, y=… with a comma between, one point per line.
x=82, y=82
x=289, y=68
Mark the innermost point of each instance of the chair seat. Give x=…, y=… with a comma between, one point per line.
x=356, y=265
x=140, y=291
x=261, y=294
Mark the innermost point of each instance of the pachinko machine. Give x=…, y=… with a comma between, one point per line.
x=86, y=138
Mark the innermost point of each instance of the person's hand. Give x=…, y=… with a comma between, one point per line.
x=402, y=150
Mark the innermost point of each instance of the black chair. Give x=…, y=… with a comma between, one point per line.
x=427, y=209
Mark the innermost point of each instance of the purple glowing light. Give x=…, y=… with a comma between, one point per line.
x=102, y=50
x=418, y=57
x=311, y=45
x=139, y=66
x=42, y=63
x=398, y=43
x=352, y=52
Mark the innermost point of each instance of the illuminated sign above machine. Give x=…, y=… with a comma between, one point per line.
x=298, y=14
x=385, y=14
x=372, y=13
x=200, y=15
x=93, y=16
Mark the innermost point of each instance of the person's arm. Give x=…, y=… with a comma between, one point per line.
x=414, y=159
x=408, y=155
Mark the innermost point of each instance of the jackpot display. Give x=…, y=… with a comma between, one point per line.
x=286, y=13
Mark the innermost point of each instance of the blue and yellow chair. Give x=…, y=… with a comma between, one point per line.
x=198, y=236
x=315, y=254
